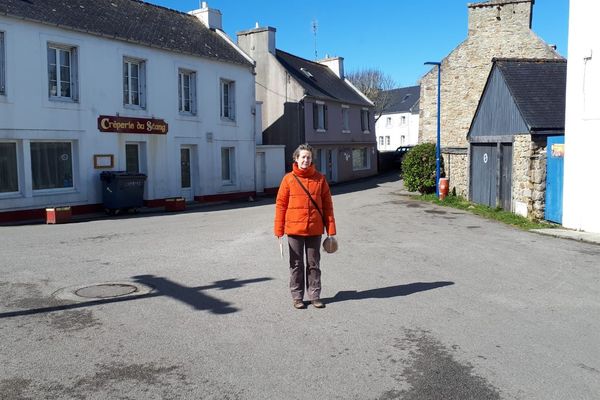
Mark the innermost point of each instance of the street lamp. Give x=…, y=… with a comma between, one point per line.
x=438, y=142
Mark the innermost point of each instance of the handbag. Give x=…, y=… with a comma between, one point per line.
x=330, y=244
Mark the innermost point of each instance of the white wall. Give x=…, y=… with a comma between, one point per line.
x=582, y=125
x=26, y=114
x=395, y=129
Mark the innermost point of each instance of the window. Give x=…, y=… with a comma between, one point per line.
x=365, y=120
x=318, y=153
x=62, y=72
x=346, y=119
x=228, y=100
x=51, y=165
x=360, y=158
x=320, y=116
x=402, y=139
x=403, y=120
x=228, y=165
x=381, y=140
x=132, y=158
x=9, y=178
x=134, y=82
x=187, y=92
x=2, y=66
x=387, y=140
x=388, y=121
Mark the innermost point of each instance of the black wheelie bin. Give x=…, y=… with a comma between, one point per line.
x=122, y=191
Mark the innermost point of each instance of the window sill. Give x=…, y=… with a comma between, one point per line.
x=57, y=191
x=11, y=195
x=346, y=131
x=321, y=131
x=188, y=117
x=65, y=104
x=366, y=132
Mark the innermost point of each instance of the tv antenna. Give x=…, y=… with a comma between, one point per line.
x=315, y=26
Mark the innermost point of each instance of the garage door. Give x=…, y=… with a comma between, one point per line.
x=483, y=173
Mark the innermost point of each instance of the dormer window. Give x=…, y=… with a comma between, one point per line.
x=307, y=73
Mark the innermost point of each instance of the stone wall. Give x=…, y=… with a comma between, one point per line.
x=496, y=29
x=456, y=165
x=529, y=176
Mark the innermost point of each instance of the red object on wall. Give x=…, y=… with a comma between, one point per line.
x=444, y=186
x=58, y=215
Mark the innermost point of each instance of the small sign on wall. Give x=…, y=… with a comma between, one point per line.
x=104, y=161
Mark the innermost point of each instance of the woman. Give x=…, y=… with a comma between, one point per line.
x=297, y=217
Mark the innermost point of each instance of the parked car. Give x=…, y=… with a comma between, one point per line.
x=399, y=154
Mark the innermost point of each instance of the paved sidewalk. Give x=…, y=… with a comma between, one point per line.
x=587, y=237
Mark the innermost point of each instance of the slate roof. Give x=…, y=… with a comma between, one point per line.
x=322, y=83
x=403, y=100
x=538, y=88
x=129, y=20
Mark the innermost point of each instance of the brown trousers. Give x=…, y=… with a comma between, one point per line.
x=299, y=276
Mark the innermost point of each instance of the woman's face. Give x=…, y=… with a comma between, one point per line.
x=304, y=159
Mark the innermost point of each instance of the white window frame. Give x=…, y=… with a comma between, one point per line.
x=2, y=65
x=388, y=122
x=186, y=91
x=346, y=119
x=365, y=120
x=129, y=87
x=320, y=116
x=231, y=177
x=367, y=160
x=387, y=140
x=57, y=68
x=227, y=93
x=403, y=120
x=381, y=140
x=17, y=168
x=73, y=167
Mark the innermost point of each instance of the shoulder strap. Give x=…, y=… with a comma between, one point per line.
x=311, y=199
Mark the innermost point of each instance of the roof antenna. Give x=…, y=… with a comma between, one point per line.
x=315, y=26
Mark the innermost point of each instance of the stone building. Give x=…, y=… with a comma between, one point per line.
x=496, y=28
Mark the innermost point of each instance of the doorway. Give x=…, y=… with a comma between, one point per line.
x=186, y=173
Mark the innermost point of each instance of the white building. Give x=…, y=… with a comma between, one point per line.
x=122, y=85
x=581, y=189
x=399, y=124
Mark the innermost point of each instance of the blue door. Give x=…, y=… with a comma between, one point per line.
x=555, y=153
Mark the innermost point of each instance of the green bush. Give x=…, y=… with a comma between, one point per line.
x=418, y=168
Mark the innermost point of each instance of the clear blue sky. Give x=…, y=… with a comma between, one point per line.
x=395, y=36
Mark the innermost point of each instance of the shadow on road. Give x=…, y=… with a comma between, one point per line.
x=386, y=292
x=192, y=296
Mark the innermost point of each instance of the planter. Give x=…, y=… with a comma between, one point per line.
x=58, y=215
x=175, y=204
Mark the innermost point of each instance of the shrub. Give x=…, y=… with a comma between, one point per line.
x=418, y=167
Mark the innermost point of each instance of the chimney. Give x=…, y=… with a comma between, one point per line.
x=336, y=64
x=257, y=40
x=493, y=15
x=210, y=17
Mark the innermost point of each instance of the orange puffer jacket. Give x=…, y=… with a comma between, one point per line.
x=295, y=214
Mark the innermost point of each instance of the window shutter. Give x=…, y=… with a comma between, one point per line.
x=315, y=116
x=193, y=93
x=142, y=84
x=180, y=91
x=2, y=76
x=74, y=74
x=232, y=100
x=325, y=116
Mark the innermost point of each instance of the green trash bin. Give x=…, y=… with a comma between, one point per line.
x=122, y=191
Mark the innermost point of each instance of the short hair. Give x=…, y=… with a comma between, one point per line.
x=304, y=146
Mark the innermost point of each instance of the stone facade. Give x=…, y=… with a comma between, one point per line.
x=529, y=176
x=496, y=29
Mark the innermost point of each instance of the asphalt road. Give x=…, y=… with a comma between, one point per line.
x=422, y=302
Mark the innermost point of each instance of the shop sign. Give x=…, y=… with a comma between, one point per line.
x=110, y=123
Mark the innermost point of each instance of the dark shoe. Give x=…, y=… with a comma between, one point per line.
x=317, y=304
x=299, y=304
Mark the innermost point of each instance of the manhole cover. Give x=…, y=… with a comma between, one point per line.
x=105, y=291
